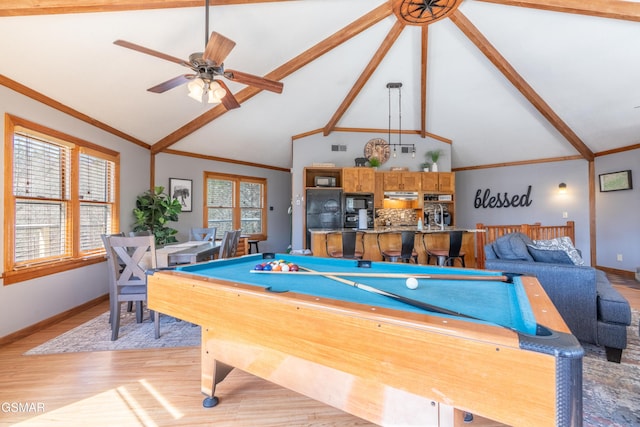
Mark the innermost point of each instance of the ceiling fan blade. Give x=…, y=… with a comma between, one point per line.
x=229, y=101
x=218, y=48
x=170, y=84
x=251, y=80
x=151, y=52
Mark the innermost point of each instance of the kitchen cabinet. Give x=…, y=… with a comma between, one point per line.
x=402, y=181
x=438, y=182
x=310, y=174
x=378, y=194
x=358, y=180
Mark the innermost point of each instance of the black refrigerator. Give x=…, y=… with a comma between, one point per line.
x=323, y=210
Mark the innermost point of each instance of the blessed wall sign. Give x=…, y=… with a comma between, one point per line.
x=501, y=200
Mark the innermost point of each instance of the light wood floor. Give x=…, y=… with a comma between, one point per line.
x=155, y=387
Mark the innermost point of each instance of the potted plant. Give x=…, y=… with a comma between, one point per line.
x=374, y=162
x=154, y=209
x=434, y=155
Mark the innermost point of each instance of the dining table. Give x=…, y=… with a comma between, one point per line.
x=189, y=252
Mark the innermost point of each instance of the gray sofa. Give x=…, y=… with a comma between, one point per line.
x=593, y=309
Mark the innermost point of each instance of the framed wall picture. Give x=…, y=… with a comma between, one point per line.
x=182, y=189
x=615, y=181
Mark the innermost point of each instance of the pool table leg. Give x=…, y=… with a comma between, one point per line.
x=212, y=372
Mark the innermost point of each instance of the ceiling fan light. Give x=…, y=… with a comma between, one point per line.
x=213, y=99
x=196, y=89
x=220, y=93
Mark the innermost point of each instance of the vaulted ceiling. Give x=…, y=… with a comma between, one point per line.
x=503, y=81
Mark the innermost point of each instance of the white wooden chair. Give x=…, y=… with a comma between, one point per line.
x=204, y=234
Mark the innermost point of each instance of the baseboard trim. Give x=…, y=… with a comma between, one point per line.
x=22, y=333
x=624, y=273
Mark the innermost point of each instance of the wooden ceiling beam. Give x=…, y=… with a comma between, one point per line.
x=53, y=7
x=375, y=61
x=291, y=66
x=519, y=83
x=45, y=100
x=614, y=9
x=423, y=80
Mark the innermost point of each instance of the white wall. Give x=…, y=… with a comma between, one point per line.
x=618, y=218
x=25, y=303
x=278, y=194
x=317, y=148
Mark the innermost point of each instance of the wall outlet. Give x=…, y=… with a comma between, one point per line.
x=565, y=214
x=619, y=257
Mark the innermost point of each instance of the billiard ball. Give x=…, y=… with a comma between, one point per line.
x=258, y=267
x=412, y=283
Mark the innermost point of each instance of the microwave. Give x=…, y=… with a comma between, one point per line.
x=325, y=181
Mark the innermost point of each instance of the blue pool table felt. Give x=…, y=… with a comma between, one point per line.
x=495, y=302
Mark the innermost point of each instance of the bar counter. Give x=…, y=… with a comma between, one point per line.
x=321, y=238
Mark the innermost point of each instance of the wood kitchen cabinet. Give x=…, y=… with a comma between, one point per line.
x=438, y=182
x=358, y=180
x=402, y=181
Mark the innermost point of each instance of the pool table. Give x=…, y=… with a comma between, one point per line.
x=506, y=355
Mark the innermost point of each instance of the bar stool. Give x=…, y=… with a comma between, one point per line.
x=348, y=247
x=252, y=243
x=448, y=256
x=406, y=253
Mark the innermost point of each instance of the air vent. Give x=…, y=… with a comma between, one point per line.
x=336, y=147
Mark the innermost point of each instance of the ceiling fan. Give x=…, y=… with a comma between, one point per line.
x=206, y=66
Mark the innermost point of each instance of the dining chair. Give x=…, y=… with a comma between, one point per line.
x=234, y=243
x=447, y=256
x=229, y=244
x=204, y=234
x=105, y=242
x=405, y=252
x=137, y=254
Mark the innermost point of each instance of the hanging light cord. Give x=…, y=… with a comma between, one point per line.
x=389, y=113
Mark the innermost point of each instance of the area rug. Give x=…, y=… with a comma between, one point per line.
x=611, y=391
x=95, y=335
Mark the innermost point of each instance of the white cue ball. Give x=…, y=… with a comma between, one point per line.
x=412, y=283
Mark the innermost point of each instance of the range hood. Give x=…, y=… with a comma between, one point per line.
x=401, y=195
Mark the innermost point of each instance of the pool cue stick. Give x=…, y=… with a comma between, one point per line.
x=409, y=301
x=488, y=278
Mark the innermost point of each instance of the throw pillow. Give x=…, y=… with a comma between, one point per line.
x=552, y=256
x=513, y=246
x=563, y=244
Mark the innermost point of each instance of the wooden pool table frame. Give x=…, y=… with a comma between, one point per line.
x=387, y=366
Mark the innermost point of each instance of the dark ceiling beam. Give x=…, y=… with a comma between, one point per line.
x=614, y=9
x=424, y=42
x=375, y=61
x=53, y=7
x=519, y=83
x=291, y=66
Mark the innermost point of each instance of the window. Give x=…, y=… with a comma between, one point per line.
x=236, y=202
x=63, y=196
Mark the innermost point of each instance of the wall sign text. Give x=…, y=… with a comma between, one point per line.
x=501, y=200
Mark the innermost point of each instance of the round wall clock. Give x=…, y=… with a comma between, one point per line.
x=377, y=147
